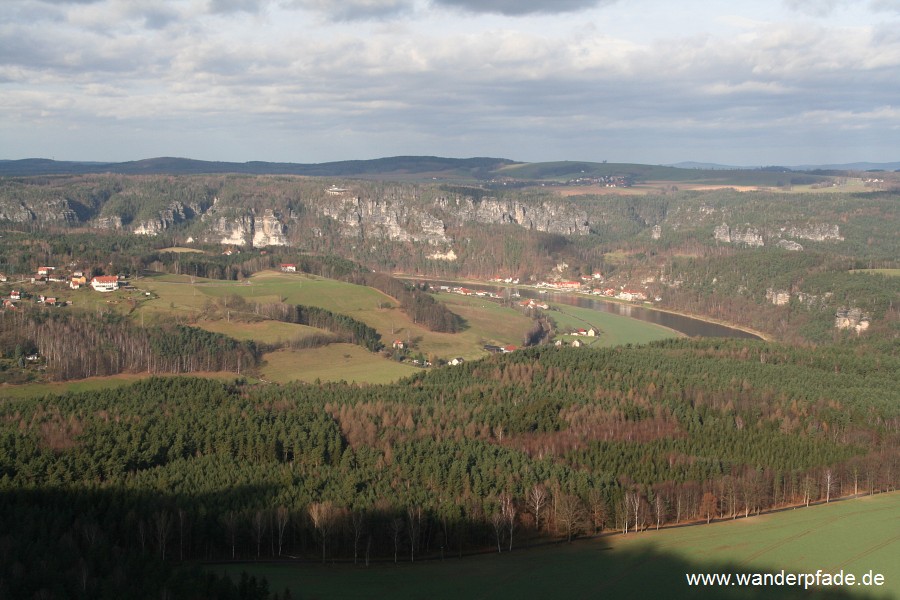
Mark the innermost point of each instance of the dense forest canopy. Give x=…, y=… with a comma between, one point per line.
x=195, y=469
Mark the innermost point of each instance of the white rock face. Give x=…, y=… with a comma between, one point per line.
x=751, y=236
x=232, y=231
x=109, y=222
x=778, y=297
x=790, y=245
x=820, y=233
x=450, y=255
x=550, y=217
x=268, y=230
x=386, y=219
x=176, y=212
x=851, y=318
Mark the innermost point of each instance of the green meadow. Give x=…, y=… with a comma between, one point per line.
x=887, y=272
x=36, y=390
x=614, y=330
x=856, y=536
x=487, y=322
x=334, y=362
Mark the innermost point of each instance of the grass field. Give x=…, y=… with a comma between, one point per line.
x=268, y=332
x=333, y=363
x=855, y=535
x=615, y=330
x=181, y=250
x=887, y=272
x=487, y=321
x=34, y=390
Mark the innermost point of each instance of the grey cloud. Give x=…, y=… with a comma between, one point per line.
x=351, y=10
x=522, y=7
x=233, y=6
x=816, y=8
x=886, y=5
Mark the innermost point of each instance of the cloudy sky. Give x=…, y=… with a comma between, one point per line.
x=652, y=81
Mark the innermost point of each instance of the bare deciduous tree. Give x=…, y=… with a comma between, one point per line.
x=282, y=517
x=162, y=526
x=497, y=523
x=536, y=500
x=323, y=518
x=570, y=515
x=510, y=512
x=358, y=521
x=828, y=483
x=230, y=521
x=396, y=530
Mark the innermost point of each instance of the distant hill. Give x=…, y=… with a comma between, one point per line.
x=425, y=168
x=706, y=166
x=398, y=166
x=857, y=166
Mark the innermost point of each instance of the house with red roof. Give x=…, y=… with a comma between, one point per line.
x=105, y=283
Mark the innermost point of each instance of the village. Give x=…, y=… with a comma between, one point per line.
x=55, y=280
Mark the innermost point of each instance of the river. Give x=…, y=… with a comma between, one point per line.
x=689, y=326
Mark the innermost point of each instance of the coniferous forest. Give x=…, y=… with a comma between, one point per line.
x=115, y=493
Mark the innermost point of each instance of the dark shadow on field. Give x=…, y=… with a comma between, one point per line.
x=584, y=569
x=58, y=542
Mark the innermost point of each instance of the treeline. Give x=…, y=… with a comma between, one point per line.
x=79, y=345
x=421, y=307
x=498, y=453
x=347, y=329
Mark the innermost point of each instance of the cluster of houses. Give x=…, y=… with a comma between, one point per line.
x=585, y=287
x=75, y=279
x=531, y=304
x=467, y=292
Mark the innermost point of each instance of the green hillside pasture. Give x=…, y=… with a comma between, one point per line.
x=333, y=363
x=615, y=330
x=854, y=535
x=266, y=332
x=36, y=390
x=488, y=322
x=885, y=272
x=181, y=250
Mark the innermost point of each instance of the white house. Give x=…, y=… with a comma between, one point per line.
x=105, y=283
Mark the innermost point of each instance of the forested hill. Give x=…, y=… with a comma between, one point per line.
x=472, y=168
x=541, y=444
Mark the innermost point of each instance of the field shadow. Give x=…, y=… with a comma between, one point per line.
x=580, y=570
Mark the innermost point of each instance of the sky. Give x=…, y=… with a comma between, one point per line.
x=767, y=82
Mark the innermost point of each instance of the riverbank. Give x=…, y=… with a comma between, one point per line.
x=600, y=299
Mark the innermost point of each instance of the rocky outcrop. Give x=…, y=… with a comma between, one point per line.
x=174, y=213
x=789, y=245
x=550, y=217
x=247, y=229
x=268, y=230
x=231, y=231
x=386, y=219
x=851, y=318
x=57, y=212
x=778, y=297
x=821, y=232
x=750, y=236
x=112, y=222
